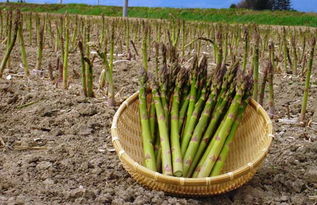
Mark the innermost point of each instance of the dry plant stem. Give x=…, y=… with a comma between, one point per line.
x=256, y=67
x=1, y=25
x=294, y=52
x=183, y=37
x=263, y=84
x=40, y=44
x=314, y=118
x=9, y=32
x=75, y=34
x=89, y=77
x=307, y=82
x=111, y=58
x=287, y=57
x=246, y=49
x=30, y=27
x=304, y=49
x=83, y=68
x=50, y=72
x=145, y=49
x=271, y=90
x=9, y=47
x=219, y=50
x=23, y=52
x=104, y=73
x=65, y=60
x=134, y=48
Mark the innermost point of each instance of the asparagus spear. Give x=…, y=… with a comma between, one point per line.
x=195, y=114
x=219, y=140
x=182, y=113
x=175, y=143
x=216, y=116
x=163, y=131
x=225, y=150
x=307, y=81
x=201, y=126
x=149, y=157
x=192, y=96
x=263, y=84
x=152, y=120
x=195, y=150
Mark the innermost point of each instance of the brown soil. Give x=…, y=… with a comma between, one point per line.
x=58, y=146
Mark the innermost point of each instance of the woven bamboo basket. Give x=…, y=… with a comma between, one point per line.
x=247, y=153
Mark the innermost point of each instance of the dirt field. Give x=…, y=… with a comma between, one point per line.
x=56, y=145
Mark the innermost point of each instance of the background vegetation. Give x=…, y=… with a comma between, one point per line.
x=286, y=18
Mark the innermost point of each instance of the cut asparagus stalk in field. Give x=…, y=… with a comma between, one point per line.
x=23, y=51
x=307, y=81
x=10, y=46
x=263, y=84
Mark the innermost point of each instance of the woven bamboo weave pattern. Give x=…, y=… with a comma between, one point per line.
x=247, y=153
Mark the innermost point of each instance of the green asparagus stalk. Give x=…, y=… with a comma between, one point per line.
x=271, y=90
x=194, y=170
x=1, y=25
x=23, y=52
x=149, y=156
x=10, y=46
x=226, y=148
x=213, y=153
x=65, y=60
x=307, y=82
x=175, y=138
x=256, y=66
x=192, y=100
x=246, y=49
x=83, y=69
x=110, y=73
x=190, y=160
x=30, y=27
x=263, y=84
x=218, y=110
x=152, y=120
x=286, y=54
x=295, y=56
x=219, y=50
x=182, y=113
x=40, y=43
x=194, y=116
x=163, y=131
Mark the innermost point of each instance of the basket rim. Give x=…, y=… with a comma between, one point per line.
x=123, y=156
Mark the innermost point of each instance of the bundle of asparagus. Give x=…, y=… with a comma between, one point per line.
x=191, y=117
